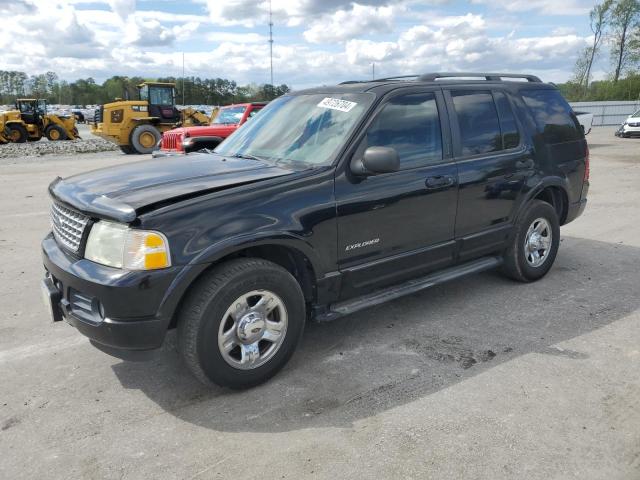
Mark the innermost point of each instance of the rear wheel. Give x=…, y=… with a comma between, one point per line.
x=55, y=133
x=17, y=133
x=145, y=138
x=241, y=323
x=535, y=243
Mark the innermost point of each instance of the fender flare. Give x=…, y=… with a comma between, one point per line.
x=214, y=253
x=555, y=181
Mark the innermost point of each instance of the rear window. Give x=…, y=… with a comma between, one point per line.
x=553, y=115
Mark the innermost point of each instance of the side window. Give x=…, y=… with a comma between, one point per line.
x=553, y=115
x=508, y=125
x=410, y=124
x=478, y=122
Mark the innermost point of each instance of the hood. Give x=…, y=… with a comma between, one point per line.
x=210, y=130
x=119, y=192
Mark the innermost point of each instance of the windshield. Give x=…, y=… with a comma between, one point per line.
x=229, y=115
x=637, y=114
x=306, y=129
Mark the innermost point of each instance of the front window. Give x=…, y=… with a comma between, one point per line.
x=636, y=115
x=162, y=96
x=229, y=115
x=307, y=129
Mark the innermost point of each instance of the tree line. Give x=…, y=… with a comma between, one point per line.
x=615, y=27
x=193, y=90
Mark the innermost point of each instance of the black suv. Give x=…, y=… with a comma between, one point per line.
x=332, y=200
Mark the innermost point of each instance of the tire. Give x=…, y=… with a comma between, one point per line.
x=55, y=133
x=127, y=149
x=205, y=321
x=144, y=138
x=17, y=133
x=520, y=263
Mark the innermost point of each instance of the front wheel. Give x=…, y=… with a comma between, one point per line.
x=241, y=323
x=534, y=243
x=144, y=138
x=55, y=133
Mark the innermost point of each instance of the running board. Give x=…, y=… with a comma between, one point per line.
x=378, y=297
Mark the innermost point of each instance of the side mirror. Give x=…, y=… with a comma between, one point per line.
x=377, y=160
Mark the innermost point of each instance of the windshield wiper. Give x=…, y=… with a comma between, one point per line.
x=248, y=156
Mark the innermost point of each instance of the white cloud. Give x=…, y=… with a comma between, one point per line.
x=547, y=7
x=346, y=24
x=122, y=8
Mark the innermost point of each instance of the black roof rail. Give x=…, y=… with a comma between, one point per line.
x=430, y=77
x=399, y=77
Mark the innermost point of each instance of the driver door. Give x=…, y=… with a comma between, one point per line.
x=399, y=225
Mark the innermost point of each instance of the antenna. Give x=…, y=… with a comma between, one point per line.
x=271, y=41
x=183, y=79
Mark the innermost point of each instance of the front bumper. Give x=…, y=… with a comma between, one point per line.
x=116, y=309
x=631, y=131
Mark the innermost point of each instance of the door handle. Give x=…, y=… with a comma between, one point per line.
x=439, y=181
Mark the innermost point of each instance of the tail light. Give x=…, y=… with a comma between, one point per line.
x=586, y=166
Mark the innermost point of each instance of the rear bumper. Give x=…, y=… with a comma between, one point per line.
x=118, y=310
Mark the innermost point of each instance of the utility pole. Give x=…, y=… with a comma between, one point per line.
x=271, y=41
x=183, y=79
x=373, y=71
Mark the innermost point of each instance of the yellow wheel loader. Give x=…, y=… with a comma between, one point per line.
x=136, y=126
x=29, y=122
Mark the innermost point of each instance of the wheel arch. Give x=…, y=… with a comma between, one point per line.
x=553, y=191
x=292, y=257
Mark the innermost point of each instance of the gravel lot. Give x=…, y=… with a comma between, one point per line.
x=87, y=143
x=479, y=378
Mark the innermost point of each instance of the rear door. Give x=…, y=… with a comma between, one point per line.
x=399, y=225
x=493, y=161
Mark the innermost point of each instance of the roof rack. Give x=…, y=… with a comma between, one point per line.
x=399, y=77
x=430, y=77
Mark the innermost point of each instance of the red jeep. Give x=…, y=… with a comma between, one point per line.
x=191, y=139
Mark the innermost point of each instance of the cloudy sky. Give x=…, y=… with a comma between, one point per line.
x=316, y=41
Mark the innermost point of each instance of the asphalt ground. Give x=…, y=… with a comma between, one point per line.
x=479, y=378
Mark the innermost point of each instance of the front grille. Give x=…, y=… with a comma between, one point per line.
x=68, y=226
x=171, y=141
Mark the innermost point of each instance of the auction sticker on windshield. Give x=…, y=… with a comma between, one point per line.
x=337, y=104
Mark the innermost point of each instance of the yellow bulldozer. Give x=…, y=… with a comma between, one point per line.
x=30, y=121
x=136, y=126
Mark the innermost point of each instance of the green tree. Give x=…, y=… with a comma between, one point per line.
x=625, y=20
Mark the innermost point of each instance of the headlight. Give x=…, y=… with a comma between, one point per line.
x=116, y=245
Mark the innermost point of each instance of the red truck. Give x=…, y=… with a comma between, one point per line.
x=190, y=139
